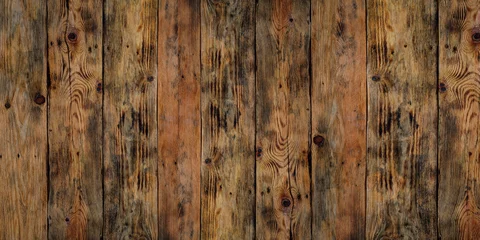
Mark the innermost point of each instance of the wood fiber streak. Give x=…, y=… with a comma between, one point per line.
x=23, y=120
x=402, y=119
x=283, y=120
x=459, y=148
x=338, y=119
x=75, y=119
x=130, y=119
x=179, y=119
x=228, y=125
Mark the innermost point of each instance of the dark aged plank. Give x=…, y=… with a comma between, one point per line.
x=75, y=119
x=179, y=119
x=130, y=119
x=459, y=90
x=283, y=119
x=228, y=125
x=402, y=119
x=338, y=119
x=23, y=120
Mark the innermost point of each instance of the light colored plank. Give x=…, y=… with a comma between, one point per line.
x=75, y=119
x=402, y=119
x=23, y=120
x=130, y=119
x=283, y=120
x=228, y=127
x=459, y=94
x=338, y=119
x=179, y=119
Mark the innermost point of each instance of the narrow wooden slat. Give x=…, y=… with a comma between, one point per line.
x=130, y=119
x=75, y=119
x=459, y=94
x=179, y=119
x=228, y=127
x=23, y=120
x=402, y=119
x=338, y=119
x=283, y=119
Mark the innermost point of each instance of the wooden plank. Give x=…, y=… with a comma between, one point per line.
x=130, y=119
x=338, y=119
x=283, y=120
x=459, y=94
x=75, y=119
x=23, y=118
x=402, y=119
x=228, y=127
x=179, y=119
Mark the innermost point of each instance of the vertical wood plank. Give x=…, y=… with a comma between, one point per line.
x=228, y=127
x=75, y=119
x=179, y=119
x=130, y=119
x=402, y=119
x=339, y=115
x=459, y=94
x=283, y=119
x=23, y=118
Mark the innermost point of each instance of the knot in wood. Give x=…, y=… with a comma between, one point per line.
x=286, y=202
x=39, y=99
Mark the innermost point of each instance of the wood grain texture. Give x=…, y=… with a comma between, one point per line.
x=402, y=119
x=130, y=119
x=283, y=120
x=179, y=119
x=459, y=90
x=228, y=125
x=338, y=119
x=75, y=119
x=23, y=120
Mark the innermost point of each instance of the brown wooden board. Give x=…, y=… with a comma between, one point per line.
x=130, y=119
x=75, y=119
x=228, y=125
x=402, y=119
x=339, y=115
x=179, y=119
x=459, y=111
x=23, y=119
x=283, y=120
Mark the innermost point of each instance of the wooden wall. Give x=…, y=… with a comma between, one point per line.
x=239, y=119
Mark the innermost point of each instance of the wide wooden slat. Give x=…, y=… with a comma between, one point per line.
x=23, y=120
x=402, y=119
x=130, y=119
x=283, y=119
x=338, y=119
x=75, y=119
x=459, y=90
x=179, y=119
x=228, y=127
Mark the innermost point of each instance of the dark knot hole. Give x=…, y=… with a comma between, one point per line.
x=476, y=36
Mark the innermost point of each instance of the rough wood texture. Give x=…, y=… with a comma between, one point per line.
x=228, y=126
x=130, y=119
x=75, y=119
x=338, y=119
x=283, y=119
x=459, y=150
x=179, y=119
x=23, y=120
x=402, y=119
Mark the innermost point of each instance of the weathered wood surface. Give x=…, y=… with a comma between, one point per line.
x=75, y=119
x=338, y=119
x=459, y=94
x=402, y=119
x=23, y=120
x=179, y=119
x=130, y=119
x=228, y=126
x=283, y=119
